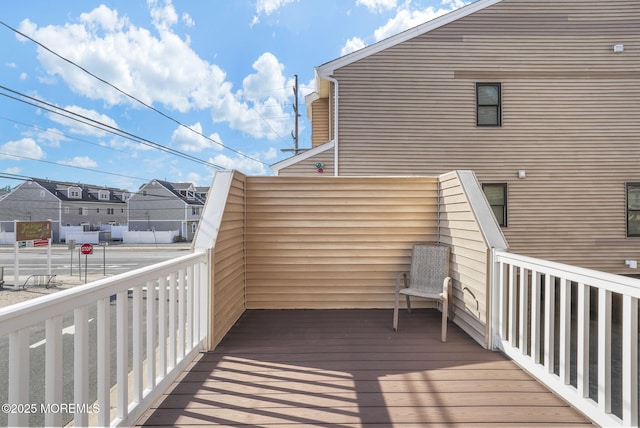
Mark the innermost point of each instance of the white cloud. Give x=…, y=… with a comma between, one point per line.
x=352, y=45
x=23, y=148
x=191, y=141
x=407, y=18
x=13, y=170
x=377, y=6
x=81, y=161
x=161, y=69
x=246, y=165
x=269, y=6
x=80, y=128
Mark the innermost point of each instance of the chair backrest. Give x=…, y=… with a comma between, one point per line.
x=429, y=267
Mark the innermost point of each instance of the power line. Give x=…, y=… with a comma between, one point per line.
x=129, y=95
x=102, y=126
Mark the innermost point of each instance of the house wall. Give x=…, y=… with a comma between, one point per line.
x=29, y=202
x=308, y=167
x=333, y=242
x=228, y=262
x=320, y=132
x=96, y=213
x=571, y=119
x=158, y=204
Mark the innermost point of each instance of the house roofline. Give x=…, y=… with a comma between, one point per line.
x=329, y=68
x=276, y=167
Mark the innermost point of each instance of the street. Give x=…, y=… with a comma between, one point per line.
x=105, y=260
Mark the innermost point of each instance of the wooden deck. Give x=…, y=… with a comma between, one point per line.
x=347, y=368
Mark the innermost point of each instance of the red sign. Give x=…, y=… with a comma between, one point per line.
x=86, y=249
x=40, y=242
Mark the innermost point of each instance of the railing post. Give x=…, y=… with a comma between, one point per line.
x=151, y=334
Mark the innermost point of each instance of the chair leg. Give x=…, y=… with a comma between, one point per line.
x=408, y=304
x=445, y=316
x=396, y=304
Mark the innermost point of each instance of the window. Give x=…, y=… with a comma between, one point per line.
x=195, y=210
x=83, y=211
x=497, y=196
x=110, y=211
x=633, y=209
x=66, y=210
x=488, y=109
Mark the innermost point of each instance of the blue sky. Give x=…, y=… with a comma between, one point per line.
x=224, y=69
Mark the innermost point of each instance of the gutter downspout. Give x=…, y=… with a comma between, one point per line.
x=336, y=97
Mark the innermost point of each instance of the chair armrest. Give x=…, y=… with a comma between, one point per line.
x=447, y=290
x=402, y=276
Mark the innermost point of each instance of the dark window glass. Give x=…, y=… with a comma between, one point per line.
x=488, y=99
x=496, y=194
x=633, y=209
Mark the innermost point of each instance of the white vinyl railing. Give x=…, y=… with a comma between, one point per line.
x=132, y=334
x=574, y=329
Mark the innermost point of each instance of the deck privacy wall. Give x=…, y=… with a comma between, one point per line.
x=228, y=257
x=470, y=255
x=333, y=242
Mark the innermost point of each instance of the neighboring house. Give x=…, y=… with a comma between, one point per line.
x=65, y=204
x=541, y=99
x=163, y=206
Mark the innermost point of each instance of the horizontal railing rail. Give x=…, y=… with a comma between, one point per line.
x=575, y=329
x=132, y=335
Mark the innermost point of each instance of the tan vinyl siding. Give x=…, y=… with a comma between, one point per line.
x=459, y=229
x=307, y=167
x=229, y=263
x=320, y=120
x=571, y=119
x=333, y=242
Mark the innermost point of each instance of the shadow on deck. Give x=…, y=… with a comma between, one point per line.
x=347, y=368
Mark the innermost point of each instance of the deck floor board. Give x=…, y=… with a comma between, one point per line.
x=346, y=368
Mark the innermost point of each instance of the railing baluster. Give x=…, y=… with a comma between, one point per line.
x=190, y=285
x=535, y=316
x=523, y=312
x=104, y=361
x=151, y=335
x=137, y=344
x=81, y=364
x=53, y=369
x=565, y=331
x=162, y=326
x=502, y=298
x=181, y=305
x=19, y=375
x=584, y=319
x=512, y=304
x=630, y=361
x=122, y=369
x=549, y=322
x=172, y=319
x=604, y=350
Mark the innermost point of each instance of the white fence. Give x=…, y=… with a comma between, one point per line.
x=146, y=325
x=575, y=329
x=149, y=237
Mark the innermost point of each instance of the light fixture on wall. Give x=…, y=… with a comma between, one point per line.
x=618, y=48
x=320, y=167
x=522, y=173
x=633, y=264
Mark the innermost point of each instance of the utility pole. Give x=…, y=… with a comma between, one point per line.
x=294, y=133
